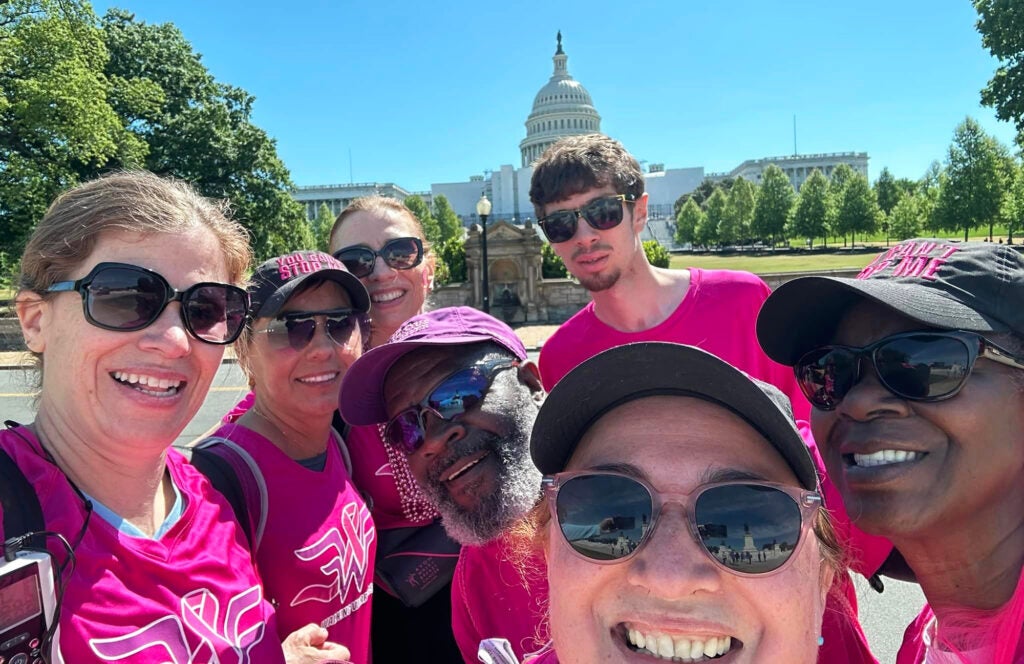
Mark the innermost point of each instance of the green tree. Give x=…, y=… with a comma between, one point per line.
x=1013, y=202
x=858, y=210
x=928, y=190
x=452, y=252
x=687, y=220
x=715, y=213
x=810, y=219
x=431, y=229
x=657, y=255
x=551, y=266
x=975, y=168
x=774, y=205
x=887, y=191
x=702, y=193
x=906, y=219
x=201, y=131
x=57, y=124
x=1001, y=24
x=742, y=201
x=322, y=226
x=447, y=221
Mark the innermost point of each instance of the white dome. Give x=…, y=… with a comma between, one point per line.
x=562, y=107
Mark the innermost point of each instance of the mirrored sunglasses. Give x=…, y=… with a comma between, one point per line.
x=402, y=253
x=122, y=297
x=452, y=397
x=601, y=213
x=747, y=528
x=295, y=330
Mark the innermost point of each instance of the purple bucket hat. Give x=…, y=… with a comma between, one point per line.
x=361, y=400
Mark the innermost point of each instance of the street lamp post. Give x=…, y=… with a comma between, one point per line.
x=483, y=208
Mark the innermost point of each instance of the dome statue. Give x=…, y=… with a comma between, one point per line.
x=562, y=107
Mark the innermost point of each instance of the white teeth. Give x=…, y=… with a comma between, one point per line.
x=679, y=648
x=322, y=378
x=885, y=457
x=158, y=386
x=386, y=297
x=464, y=468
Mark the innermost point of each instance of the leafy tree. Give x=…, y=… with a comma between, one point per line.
x=887, y=191
x=906, y=219
x=322, y=227
x=1001, y=24
x=687, y=220
x=858, y=210
x=774, y=205
x=551, y=266
x=742, y=201
x=452, y=253
x=657, y=255
x=200, y=130
x=447, y=221
x=1013, y=203
x=810, y=220
x=716, y=213
x=702, y=193
x=57, y=124
x=973, y=193
x=928, y=189
x=431, y=229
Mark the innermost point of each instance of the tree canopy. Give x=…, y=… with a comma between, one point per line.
x=774, y=204
x=1001, y=24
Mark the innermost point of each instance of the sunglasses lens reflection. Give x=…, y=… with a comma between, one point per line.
x=748, y=528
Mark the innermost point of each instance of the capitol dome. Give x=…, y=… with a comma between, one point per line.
x=563, y=107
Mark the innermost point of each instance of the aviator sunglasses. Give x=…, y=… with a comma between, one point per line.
x=601, y=213
x=121, y=297
x=452, y=397
x=748, y=528
x=918, y=366
x=402, y=253
x=296, y=329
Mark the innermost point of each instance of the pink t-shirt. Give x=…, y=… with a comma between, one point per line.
x=718, y=314
x=318, y=545
x=190, y=596
x=493, y=596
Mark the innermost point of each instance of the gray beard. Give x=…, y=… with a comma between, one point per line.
x=518, y=484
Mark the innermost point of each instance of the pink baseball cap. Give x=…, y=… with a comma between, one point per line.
x=361, y=400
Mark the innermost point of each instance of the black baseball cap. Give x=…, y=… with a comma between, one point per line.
x=634, y=371
x=274, y=281
x=974, y=286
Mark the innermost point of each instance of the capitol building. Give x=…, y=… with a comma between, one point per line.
x=564, y=107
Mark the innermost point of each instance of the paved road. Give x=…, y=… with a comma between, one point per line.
x=883, y=616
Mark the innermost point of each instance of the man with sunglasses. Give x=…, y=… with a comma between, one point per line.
x=453, y=391
x=914, y=372
x=588, y=193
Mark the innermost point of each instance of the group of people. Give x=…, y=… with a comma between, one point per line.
x=690, y=471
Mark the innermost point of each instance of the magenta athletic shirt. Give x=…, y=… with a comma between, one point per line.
x=718, y=314
x=190, y=596
x=316, y=553
x=492, y=599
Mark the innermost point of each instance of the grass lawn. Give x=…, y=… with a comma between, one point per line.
x=768, y=263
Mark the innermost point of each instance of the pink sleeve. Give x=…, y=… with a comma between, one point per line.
x=913, y=650
x=466, y=635
x=240, y=408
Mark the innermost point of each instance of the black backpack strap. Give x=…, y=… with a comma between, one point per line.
x=22, y=512
x=224, y=479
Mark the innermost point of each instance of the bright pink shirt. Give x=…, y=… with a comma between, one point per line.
x=192, y=595
x=718, y=314
x=495, y=597
x=317, y=550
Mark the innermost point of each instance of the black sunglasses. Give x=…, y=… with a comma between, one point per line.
x=919, y=366
x=746, y=527
x=402, y=253
x=117, y=296
x=296, y=329
x=601, y=213
x=451, y=398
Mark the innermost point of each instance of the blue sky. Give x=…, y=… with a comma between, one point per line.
x=424, y=92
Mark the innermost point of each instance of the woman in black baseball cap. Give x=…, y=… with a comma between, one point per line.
x=914, y=372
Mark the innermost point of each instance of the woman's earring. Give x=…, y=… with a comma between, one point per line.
x=821, y=641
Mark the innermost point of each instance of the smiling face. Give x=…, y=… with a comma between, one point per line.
x=131, y=391
x=302, y=384
x=670, y=591
x=906, y=468
x=598, y=259
x=476, y=469
x=397, y=295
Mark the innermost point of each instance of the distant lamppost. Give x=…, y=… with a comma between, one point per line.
x=483, y=208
